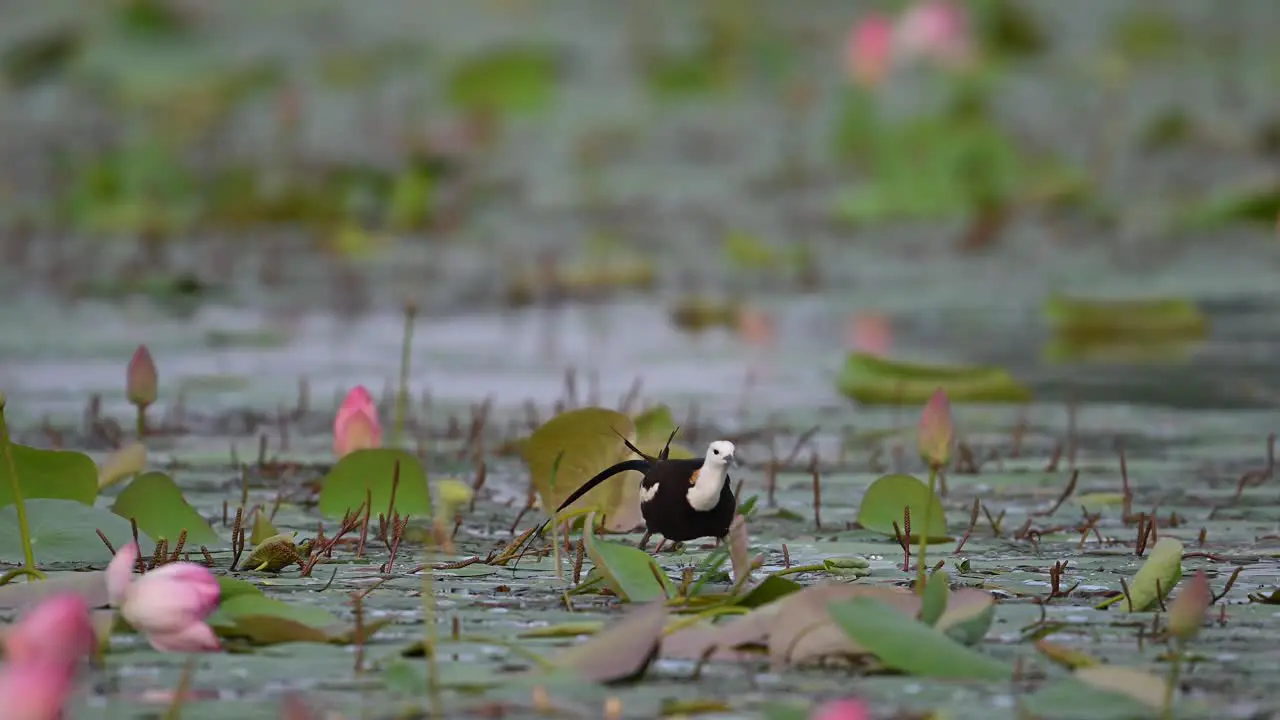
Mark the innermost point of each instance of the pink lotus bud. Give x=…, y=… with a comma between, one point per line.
x=356, y=426
x=936, y=432
x=168, y=604
x=35, y=691
x=756, y=327
x=869, y=49
x=55, y=632
x=936, y=30
x=846, y=709
x=141, y=379
x=1187, y=612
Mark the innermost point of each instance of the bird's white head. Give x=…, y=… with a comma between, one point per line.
x=707, y=484
x=719, y=454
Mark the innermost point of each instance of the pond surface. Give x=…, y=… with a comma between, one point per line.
x=1192, y=416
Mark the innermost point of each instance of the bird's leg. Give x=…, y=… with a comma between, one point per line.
x=675, y=548
x=644, y=540
x=658, y=549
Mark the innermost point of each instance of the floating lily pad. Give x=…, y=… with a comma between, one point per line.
x=876, y=381
x=373, y=470
x=883, y=503
x=154, y=501
x=63, y=531
x=51, y=474
x=1126, y=319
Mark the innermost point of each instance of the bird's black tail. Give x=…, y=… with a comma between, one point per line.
x=625, y=465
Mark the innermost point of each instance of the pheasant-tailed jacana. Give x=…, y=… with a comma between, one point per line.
x=682, y=499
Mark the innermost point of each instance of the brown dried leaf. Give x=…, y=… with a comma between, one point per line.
x=623, y=651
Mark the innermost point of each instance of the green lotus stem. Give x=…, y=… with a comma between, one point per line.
x=697, y=617
x=799, y=569
x=924, y=531
x=29, y=559
x=142, y=421
x=9, y=577
x=402, y=393
x=555, y=516
x=1175, y=669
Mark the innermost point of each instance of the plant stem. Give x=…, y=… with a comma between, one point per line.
x=1175, y=669
x=924, y=531
x=20, y=507
x=402, y=393
x=142, y=421
x=429, y=640
x=799, y=569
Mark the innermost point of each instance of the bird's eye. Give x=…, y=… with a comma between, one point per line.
x=715, y=452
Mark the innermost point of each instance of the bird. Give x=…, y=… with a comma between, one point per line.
x=681, y=499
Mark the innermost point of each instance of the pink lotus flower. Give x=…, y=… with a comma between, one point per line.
x=168, y=604
x=871, y=334
x=57, y=632
x=845, y=709
x=35, y=690
x=869, y=50
x=935, y=30
x=936, y=432
x=356, y=426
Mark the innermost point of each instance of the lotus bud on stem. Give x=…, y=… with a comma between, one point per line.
x=20, y=508
x=1186, y=615
x=934, y=437
x=141, y=385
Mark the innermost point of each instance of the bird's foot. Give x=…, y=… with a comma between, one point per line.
x=645, y=540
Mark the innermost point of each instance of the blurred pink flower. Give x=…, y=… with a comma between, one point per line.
x=936, y=30
x=168, y=604
x=55, y=632
x=756, y=326
x=871, y=334
x=844, y=709
x=356, y=426
x=869, y=49
x=35, y=690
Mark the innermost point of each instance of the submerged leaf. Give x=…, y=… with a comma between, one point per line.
x=620, y=652
x=903, y=644
x=154, y=501
x=372, y=472
x=884, y=501
x=51, y=474
x=876, y=381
